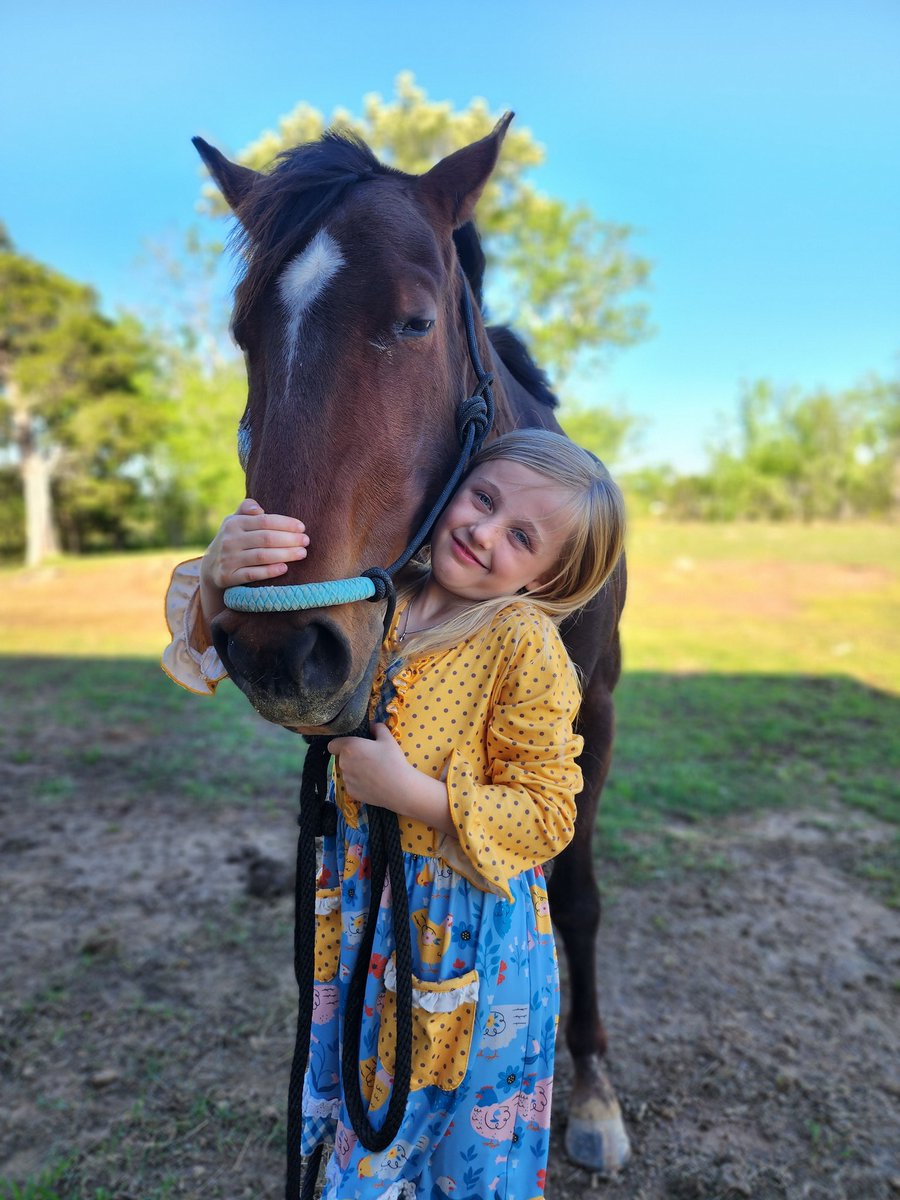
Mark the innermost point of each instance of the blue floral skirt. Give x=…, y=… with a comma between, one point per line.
x=485, y=1010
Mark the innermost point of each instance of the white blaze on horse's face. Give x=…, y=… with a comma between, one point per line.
x=303, y=281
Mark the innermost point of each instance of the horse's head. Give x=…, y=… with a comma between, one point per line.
x=348, y=315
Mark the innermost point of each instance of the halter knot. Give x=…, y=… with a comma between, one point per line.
x=478, y=413
x=384, y=585
x=384, y=590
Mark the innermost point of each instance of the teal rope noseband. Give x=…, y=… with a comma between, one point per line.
x=293, y=597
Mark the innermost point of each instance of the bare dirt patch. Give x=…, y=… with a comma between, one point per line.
x=148, y=1001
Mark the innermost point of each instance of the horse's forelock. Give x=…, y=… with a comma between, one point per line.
x=283, y=210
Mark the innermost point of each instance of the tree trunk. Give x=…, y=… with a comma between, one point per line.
x=41, y=537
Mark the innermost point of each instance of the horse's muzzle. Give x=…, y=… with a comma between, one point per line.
x=306, y=678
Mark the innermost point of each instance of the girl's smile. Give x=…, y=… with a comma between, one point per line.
x=463, y=552
x=503, y=531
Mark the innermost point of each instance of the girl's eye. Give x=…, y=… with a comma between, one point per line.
x=522, y=538
x=484, y=500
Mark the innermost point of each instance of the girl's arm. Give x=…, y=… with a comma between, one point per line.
x=249, y=545
x=524, y=813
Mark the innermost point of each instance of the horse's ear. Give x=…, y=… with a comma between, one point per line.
x=454, y=185
x=234, y=180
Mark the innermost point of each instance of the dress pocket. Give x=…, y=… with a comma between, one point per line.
x=443, y=1018
x=328, y=933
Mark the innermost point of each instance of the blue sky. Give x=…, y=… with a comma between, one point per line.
x=755, y=149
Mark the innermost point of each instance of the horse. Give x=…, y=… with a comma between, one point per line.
x=349, y=317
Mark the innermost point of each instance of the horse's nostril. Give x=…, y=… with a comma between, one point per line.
x=315, y=660
x=319, y=659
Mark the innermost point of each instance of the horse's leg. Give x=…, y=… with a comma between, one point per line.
x=595, y=1133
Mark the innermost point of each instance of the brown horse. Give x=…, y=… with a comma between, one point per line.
x=349, y=317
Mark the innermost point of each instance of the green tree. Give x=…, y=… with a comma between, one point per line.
x=560, y=275
x=74, y=411
x=196, y=477
x=196, y=471
x=604, y=431
x=807, y=455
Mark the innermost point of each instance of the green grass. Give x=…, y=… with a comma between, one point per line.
x=51, y=1184
x=122, y=723
x=765, y=599
x=694, y=749
x=762, y=664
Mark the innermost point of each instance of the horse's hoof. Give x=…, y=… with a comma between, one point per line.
x=601, y=1146
x=595, y=1133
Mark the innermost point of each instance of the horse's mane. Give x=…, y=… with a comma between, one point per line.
x=510, y=348
x=516, y=357
x=281, y=211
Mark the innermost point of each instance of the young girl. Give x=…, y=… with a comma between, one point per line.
x=474, y=750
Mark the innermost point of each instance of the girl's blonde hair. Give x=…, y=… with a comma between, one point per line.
x=587, y=558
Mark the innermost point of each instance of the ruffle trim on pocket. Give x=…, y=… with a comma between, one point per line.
x=328, y=902
x=443, y=997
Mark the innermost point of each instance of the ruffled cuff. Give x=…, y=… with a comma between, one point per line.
x=189, y=659
x=505, y=828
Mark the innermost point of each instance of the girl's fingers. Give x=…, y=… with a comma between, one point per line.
x=254, y=574
x=249, y=506
x=256, y=556
x=261, y=520
x=262, y=564
x=237, y=543
x=266, y=538
x=237, y=557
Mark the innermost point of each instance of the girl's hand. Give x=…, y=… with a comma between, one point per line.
x=373, y=771
x=377, y=772
x=251, y=545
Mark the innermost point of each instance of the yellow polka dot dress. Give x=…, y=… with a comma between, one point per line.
x=493, y=717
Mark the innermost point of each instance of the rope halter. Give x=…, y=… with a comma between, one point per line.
x=474, y=419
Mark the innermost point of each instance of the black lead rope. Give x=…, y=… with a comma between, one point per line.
x=473, y=422
x=311, y=821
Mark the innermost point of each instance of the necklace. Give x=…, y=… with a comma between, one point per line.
x=404, y=629
x=404, y=622
x=401, y=633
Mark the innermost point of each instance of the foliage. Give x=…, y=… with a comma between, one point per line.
x=792, y=455
x=202, y=392
x=818, y=455
x=557, y=273
x=74, y=405
x=12, y=514
x=198, y=475
x=603, y=431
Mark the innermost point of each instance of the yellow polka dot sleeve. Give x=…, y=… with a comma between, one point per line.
x=524, y=812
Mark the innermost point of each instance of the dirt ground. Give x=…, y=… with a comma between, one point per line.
x=148, y=1001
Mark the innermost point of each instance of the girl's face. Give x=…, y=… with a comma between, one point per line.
x=503, y=530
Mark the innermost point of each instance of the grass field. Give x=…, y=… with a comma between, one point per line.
x=783, y=599
x=762, y=673
x=762, y=669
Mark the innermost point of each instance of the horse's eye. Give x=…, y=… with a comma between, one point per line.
x=416, y=327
